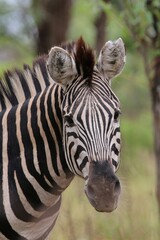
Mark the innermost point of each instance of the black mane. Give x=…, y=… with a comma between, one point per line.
x=14, y=81
x=84, y=57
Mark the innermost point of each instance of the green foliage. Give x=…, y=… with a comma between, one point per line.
x=143, y=21
x=82, y=21
x=137, y=133
x=132, y=88
x=19, y=54
x=134, y=12
x=5, y=9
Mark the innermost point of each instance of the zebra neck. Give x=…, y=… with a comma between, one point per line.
x=54, y=131
x=35, y=141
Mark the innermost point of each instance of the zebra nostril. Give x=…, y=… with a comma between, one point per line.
x=117, y=187
x=91, y=191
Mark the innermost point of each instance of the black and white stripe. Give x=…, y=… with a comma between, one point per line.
x=52, y=126
x=31, y=181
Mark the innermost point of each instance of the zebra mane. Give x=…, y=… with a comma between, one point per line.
x=19, y=85
x=84, y=57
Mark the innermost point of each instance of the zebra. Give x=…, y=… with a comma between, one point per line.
x=58, y=119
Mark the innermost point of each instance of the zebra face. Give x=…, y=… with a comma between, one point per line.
x=91, y=128
x=92, y=140
x=90, y=111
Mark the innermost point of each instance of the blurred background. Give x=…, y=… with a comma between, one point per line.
x=31, y=27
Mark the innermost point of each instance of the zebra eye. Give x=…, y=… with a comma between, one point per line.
x=69, y=120
x=116, y=115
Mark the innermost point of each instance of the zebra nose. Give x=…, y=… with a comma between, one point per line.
x=94, y=191
x=103, y=196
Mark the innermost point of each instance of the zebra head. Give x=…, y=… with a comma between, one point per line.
x=90, y=110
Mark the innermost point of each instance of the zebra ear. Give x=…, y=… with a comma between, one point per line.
x=61, y=66
x=111, y=59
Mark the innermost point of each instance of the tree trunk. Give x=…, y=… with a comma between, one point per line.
x=155, y=93
x=100, y=24
x=53, y=23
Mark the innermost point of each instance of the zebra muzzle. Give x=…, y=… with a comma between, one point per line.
x=103, y=187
